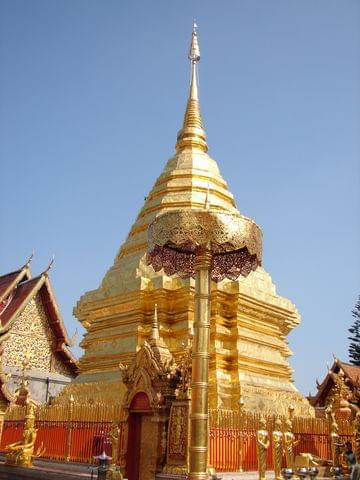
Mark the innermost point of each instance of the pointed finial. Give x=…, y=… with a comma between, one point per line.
x=27, y=264
x=194, y=52
x=50, y=264
x=155, y=335
x=73, y=339
x=192, y=134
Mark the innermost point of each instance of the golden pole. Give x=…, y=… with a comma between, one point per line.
x=69, y=428
x=241, y=410
x=230, y=245
x=198, y=451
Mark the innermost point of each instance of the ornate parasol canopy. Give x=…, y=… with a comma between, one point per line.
x=235, y=242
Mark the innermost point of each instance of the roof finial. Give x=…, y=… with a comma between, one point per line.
x=27, y=264
x=155, y=335
x=50, y=265
x=192, y=134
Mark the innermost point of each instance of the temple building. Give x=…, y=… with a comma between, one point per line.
x=250, y=321
x=342, y=381
x=33, y=339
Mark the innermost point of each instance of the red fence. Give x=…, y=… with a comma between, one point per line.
x=233, y=450
x=72, y=441
x=68, y=434
x=232, y=438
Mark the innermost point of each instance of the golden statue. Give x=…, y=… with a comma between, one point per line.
x=262, y=442
x=289, y=445
x=22, y=452
x=335, y=442
x=277, y=438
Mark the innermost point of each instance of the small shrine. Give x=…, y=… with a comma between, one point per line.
x=151, y=381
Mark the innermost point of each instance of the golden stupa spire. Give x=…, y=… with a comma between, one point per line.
x=192, y=134
x=155, y=334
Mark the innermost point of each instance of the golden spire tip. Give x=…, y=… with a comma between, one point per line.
x=192, y=134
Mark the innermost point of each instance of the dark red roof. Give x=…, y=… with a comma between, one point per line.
x=352, y=372
x=10, y=280
x=21, y=293
x=7, y=280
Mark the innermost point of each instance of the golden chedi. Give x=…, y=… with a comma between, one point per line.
x=249, y=320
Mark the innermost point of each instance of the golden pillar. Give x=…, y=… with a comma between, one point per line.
x=198, y=450
x=207, y=245
x=241, y=417
x=69, y=428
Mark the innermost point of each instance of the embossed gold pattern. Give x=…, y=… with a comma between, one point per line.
x=31, y=333
x=178, y=438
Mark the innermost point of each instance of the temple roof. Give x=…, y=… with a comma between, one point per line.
x=17, y=289
x=351, y=376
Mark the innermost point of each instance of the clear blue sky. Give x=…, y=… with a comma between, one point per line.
x=92, y=94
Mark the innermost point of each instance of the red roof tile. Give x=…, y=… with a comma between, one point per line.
x=7, y=280
x=352, y=372
x=21, y=293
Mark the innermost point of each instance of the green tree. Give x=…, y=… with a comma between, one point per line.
x=354, y=347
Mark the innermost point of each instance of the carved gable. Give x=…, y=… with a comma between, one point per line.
x=31, y=333
x=153, y=371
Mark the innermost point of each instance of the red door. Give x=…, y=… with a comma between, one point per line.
x=139, y=405
x=133, y=447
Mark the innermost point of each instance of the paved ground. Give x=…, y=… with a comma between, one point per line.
x=47, y=470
